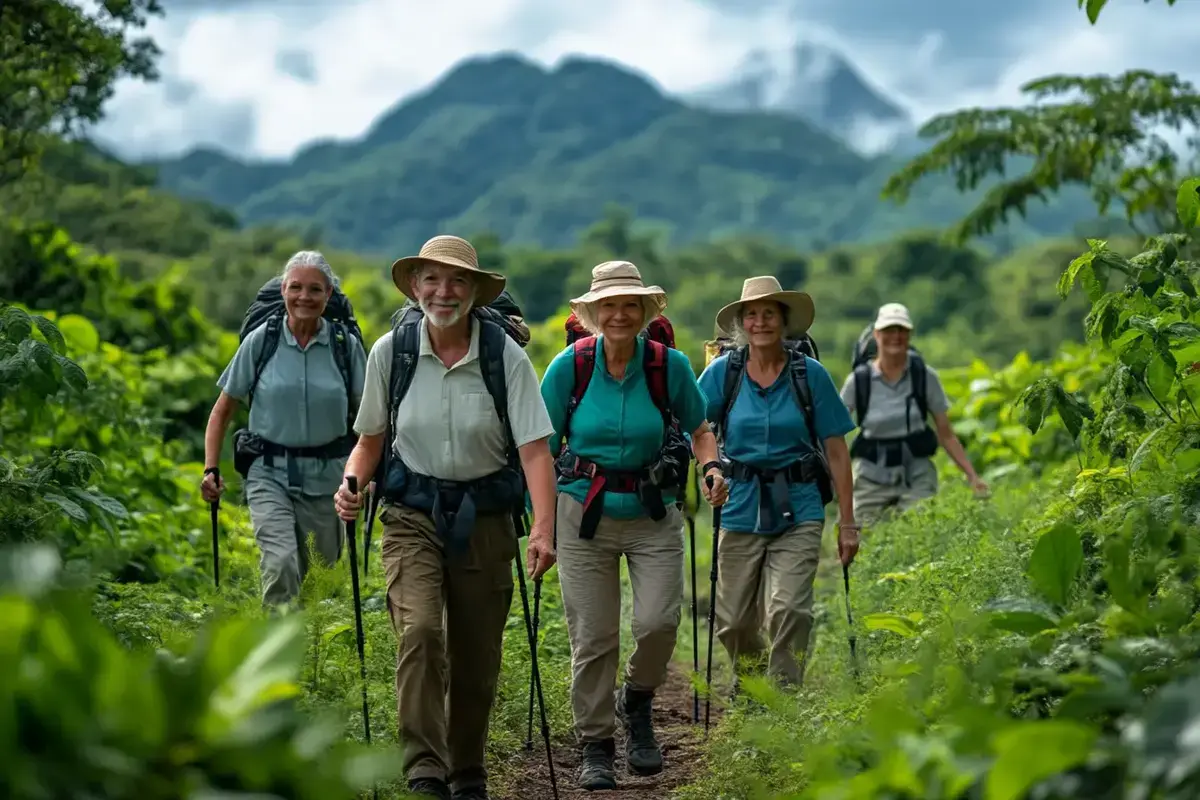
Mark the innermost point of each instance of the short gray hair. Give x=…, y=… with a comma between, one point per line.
x=315, y=260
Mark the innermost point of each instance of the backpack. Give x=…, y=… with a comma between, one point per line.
x=797, y=369
x=268, y=308
x=675, y=456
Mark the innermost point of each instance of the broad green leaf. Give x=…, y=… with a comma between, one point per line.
x=1143, y=450
x=69, y=507
x=1183, y=330
x=1067, y=279
x=1093, y=9
x=1055, y=563
x=1126, y=339
x=1029, y=623
x=1117, y=575
x=1187, y=203
x=101, y=501
x=79, y=333
x=1187, y=462
x=1160, y=377
x=896, y=623
x=51, y=334
x=1030, y=752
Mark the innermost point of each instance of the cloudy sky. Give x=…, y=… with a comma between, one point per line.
x=260, y=78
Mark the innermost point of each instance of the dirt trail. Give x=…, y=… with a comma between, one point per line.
x=681, y=741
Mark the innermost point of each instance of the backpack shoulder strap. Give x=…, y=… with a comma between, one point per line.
x=584, y=363
x=732, y=385
x=406, y=346
x=270, y=343
x=339, y=340
x=862, y=391
x=495, y=376
x=797, y=368
x=654, y=365
x=919, y=378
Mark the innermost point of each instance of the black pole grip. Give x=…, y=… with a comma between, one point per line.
x=352, y=482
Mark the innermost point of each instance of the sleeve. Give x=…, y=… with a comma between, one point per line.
x=526, y=409
x=358, y=370
x=556, y=391
x=712, y=385
x=687, y=401
x=935, y=393
x=238, y=376
x=373, y=409
x=829, y=412
x=848, y=392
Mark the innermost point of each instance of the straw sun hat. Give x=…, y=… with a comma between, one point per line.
x=449, y=251
x=616, y=279
x=766, y=287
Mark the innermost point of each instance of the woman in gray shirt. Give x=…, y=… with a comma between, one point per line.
x=299, y=436
x=892, y=397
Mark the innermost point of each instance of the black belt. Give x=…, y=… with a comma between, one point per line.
x=774, y=495
x=454, y=505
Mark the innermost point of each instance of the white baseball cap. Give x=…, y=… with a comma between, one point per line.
x=893, y=314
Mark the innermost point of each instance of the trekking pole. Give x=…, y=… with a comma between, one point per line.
x=352, y=485
x=533, y=663
x=850, y=622
x=712, y=607
x=213, y=508
x=537, y=602
x=691, y=522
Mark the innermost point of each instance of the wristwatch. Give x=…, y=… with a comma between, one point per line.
x=710, y=465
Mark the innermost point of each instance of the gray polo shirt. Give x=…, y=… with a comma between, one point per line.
x=300, y=401
x=886, y=418
x=447, y=426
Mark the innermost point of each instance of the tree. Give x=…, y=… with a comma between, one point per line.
x=58, y=65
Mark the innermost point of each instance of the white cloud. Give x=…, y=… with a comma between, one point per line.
x=368, y=54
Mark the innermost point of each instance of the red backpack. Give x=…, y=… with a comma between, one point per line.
x=660, y=330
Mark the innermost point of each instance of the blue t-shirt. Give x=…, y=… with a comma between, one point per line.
x=616, y=424
x=767, y=429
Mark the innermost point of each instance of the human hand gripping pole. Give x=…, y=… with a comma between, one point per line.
x=352, y=486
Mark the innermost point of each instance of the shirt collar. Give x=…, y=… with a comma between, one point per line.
x=472, y=348
x=322, y=336
x=635, y=362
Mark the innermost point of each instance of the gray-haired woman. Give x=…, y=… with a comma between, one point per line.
x=302, y=377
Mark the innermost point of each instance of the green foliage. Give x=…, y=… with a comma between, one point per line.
x=60, y=64
x=1094, y=7
x=85, y=716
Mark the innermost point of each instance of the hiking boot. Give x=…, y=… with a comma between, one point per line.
x=642, y=753
x=471, y=793
x=596, y=765
x=429, y=787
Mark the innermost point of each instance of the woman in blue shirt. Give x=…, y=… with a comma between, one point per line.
x=781, y=474
x=619, y=480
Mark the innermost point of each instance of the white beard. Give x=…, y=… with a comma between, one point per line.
x=441, y=318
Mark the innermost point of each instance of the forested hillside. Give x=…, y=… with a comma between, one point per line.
x=1039, y=644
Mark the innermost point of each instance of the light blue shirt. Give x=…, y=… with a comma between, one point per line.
x=616, y=424
x=767, y=430
x=300, y=401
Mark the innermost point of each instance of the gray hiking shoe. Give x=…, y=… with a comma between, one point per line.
x=596, y=766
x=642, y=753
x=429, y=787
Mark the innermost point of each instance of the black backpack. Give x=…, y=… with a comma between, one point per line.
x=268, y=308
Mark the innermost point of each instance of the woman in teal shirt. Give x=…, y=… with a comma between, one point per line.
x=613, y=502
x=781, y=474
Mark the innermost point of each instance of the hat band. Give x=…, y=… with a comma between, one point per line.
x=605, y=283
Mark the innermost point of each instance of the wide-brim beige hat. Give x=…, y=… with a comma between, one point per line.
x=801, y=311
x=449, y=251
x=617, y=279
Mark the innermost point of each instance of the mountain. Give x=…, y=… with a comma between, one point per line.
x=502, y=145
x=817, y=84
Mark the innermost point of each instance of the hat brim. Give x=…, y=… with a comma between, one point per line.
x=655, y=293
x=489, y=284
x=888, y=322
x=801, y=312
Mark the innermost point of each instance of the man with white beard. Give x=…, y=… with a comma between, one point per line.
x=457, y=400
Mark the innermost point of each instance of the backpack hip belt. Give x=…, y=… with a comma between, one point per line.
x=455, y=505
x=248, y=447
x=774, y=485
x=646, y=483
x=920, y=444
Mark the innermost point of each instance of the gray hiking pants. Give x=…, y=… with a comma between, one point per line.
x=282, y=524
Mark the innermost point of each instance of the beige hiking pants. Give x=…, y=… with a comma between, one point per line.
x=783, y=568
x=589, y=571
x=449, y=618
x=282, y=523
x=874, y=500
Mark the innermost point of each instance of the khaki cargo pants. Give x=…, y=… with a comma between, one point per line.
x=449, y=618
x=873, y=500
x=781, y=568
x=589, y=572
x=282, y=523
